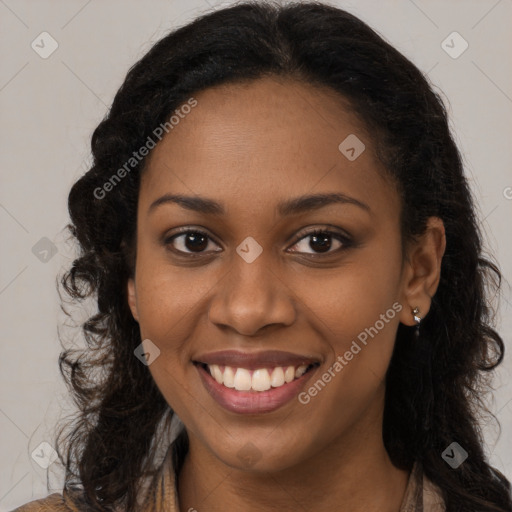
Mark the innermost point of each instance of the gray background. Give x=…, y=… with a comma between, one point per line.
x=49, y=108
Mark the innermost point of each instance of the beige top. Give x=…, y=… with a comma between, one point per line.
x=421, y=495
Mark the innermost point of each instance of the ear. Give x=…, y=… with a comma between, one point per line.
x=422, y=271
x=132, y=298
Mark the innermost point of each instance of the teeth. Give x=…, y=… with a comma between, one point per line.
x=261, y=379
x=228, y=377
x=242, y=379
x=300, y=371
x=289, y=374
x=277, y=379
x=217, y=374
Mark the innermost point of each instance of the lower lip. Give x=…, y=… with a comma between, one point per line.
x=252, y=402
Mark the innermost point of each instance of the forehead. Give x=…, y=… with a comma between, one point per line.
x=258, y=141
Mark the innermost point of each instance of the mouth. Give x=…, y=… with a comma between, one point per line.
x=257, y=390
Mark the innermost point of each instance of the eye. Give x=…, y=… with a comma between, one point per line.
x=189, y=241
x=321, y=241
x=195, y=241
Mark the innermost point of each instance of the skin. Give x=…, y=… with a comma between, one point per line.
x=250, y=146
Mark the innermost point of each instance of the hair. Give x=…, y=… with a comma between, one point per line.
x=434, y=385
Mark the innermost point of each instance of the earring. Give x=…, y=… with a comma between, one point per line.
x=417, y=319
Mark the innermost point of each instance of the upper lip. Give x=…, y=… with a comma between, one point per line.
x=255, y=360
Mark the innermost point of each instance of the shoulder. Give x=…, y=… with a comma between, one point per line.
x=421, y=493
x=52, y=503
x=432, y=497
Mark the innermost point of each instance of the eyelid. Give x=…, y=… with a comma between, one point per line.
x=325, y=228
x=169, y=238
x=343, y=237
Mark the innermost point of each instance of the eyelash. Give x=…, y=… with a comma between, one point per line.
x=344, y=239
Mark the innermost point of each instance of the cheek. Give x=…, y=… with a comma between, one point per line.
x=171, y=303
x=360, y=340
x=167, y=302
x=169, y=297
x=356, y=309
x=352, y=297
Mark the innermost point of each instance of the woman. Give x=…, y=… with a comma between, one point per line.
x=287, y=262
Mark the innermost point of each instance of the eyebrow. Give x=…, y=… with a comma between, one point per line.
x=286, y=208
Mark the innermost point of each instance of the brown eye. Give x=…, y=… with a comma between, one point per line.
x=189, y=242
x=321, y=241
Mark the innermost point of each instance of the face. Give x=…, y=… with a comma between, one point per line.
x=319, y=283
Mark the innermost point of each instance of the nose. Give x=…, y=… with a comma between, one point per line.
x=251, y=297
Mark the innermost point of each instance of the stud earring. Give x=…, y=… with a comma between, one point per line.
x=417, y=319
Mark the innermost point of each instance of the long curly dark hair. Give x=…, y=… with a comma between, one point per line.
x=434, y=385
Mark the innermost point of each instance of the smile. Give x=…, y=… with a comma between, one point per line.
x=262, y=379
x=254, y=383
